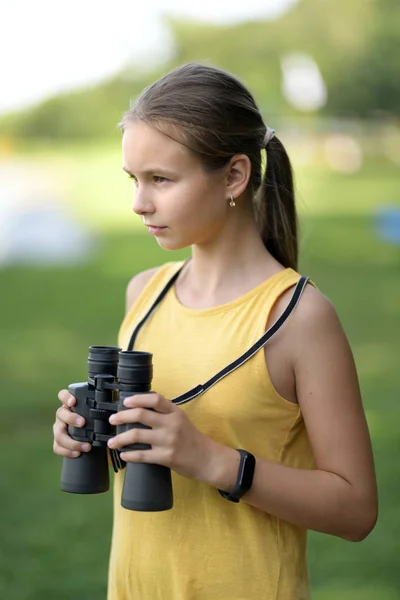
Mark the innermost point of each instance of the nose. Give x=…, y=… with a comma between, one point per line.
x=142, y=202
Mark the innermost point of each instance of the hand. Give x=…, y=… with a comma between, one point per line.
x=63, y=444
x=175, y=441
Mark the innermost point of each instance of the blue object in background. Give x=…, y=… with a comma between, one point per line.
x=388, y=219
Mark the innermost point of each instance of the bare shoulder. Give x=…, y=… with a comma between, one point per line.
x=315, y=309
x=137, y=284
x=315, y=319
x=306, y=335
x=313, y=333
x=321, y=352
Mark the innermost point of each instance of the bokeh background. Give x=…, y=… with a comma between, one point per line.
x=326, y=75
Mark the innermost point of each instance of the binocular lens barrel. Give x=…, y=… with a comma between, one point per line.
x=147, y=488
x=87, y=474
x=103, y=360
x=135, y=369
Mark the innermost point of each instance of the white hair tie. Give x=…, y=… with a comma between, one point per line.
x=269, y=134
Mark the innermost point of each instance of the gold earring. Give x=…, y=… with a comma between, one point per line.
x=232, y=202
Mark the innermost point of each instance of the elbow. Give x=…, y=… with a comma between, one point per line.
x=358, y=536
x=362, y=527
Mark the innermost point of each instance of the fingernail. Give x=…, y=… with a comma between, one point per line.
x=128, y=402
x=111, y=443
x=85, y=447
x=112, y=419
x=70, y=401
x=79, y=421
x=75, y=454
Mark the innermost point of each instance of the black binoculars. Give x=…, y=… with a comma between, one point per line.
x=113, y=375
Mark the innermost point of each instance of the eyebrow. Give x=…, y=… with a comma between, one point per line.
x=150, y=171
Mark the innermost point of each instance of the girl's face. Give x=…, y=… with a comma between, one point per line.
x=177, y=200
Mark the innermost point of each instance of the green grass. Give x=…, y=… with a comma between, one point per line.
x=55, y=545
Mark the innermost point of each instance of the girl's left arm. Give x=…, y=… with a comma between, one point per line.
x=339, y=497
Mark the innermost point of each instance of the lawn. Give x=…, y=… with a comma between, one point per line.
x=55, y=545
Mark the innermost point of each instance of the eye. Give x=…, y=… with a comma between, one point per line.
x=159, y=179
x=135, y=181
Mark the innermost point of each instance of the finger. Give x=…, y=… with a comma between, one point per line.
x=64, y=415
x=144, y=456
x=68, y=443
x=61, y=451
x=152, y=400
x=137, y=415
x=66, y=398
x=133, y=436
x=62, y=439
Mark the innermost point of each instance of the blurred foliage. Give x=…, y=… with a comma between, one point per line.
x=355, y=45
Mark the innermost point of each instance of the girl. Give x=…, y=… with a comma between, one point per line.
x=281, y=444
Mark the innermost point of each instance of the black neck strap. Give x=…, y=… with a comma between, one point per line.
x=156, y=302
x=271, y=331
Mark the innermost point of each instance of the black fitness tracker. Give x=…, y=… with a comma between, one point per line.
x=244, y=479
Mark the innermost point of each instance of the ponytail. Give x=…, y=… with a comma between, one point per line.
x=276, y=206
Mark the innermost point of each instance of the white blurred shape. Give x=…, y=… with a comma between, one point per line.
x=226, y=11
x=56, y=47
x=35, y=230
x=47, y=235
x=302, y=83
x=343, y=153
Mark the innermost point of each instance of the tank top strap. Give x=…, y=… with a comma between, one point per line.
x=159, y=280
x=159, y=298
x=147, y=297
x=280, y=283
x=263, y=303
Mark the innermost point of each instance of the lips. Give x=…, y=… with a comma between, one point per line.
x=155, y=229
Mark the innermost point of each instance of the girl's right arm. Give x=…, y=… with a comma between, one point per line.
x=63, y=444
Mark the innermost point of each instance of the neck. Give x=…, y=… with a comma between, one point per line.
x=230, y=264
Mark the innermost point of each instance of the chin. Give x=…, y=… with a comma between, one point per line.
x=172, y=245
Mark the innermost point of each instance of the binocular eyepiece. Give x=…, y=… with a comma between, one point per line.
x=113, y=375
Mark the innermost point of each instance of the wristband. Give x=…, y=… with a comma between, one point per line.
x=244, y=478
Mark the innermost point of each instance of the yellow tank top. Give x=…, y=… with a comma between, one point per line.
x=205, y=547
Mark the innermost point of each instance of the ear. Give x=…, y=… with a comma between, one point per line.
x=238, y=175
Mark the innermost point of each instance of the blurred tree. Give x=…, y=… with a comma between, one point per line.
x=87, y=113
x=355, y=45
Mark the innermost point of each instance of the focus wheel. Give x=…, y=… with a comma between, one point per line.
x=96, y=413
